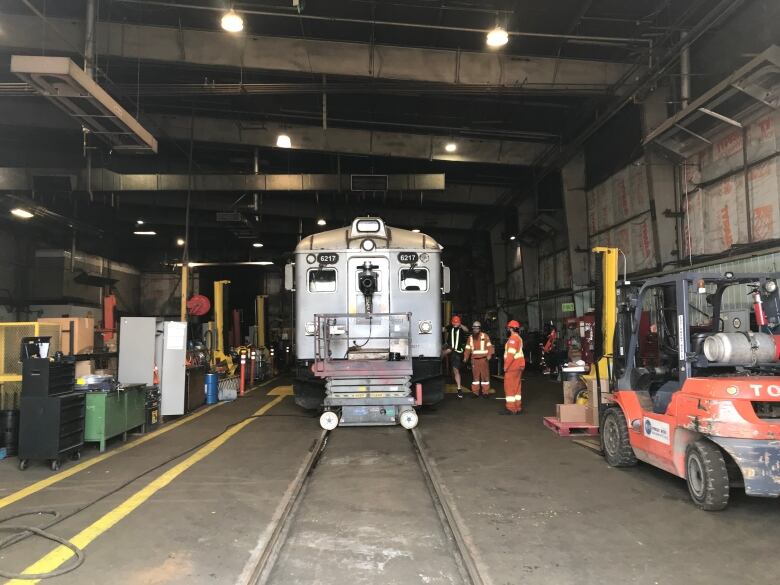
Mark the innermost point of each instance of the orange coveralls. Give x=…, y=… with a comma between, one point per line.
x=514, y=364
x=480, y=350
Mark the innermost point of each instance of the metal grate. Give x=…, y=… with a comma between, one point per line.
x=11, y=335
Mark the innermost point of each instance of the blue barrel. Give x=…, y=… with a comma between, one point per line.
x=212, y=388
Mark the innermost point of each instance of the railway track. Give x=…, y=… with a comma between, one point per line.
x=262, y=566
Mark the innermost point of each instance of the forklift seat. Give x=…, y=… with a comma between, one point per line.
x=663, y=396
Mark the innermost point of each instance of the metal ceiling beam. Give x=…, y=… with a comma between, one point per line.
x=295, y=208
x=333, y=140
x=350, y=141
x=217, y=49
x=18, y=179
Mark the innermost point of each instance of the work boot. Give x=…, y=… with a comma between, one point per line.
x=474, y=395
x=486, y=395
x=504, y=411
x=460, y=393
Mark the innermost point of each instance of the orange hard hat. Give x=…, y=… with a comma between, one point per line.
x=455, y=320
x=513, y=324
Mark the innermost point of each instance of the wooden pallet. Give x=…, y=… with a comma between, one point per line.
x=569, y=429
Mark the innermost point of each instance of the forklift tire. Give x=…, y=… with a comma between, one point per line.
x=707, y=475
x=615, y=442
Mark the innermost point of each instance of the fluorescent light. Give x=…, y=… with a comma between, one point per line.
x=257, y=245
x=145, y=233
x=513, y=238
x=451, y=147
x=498, y=37
x=283, y=141
x=21, y=213
x=415, y=230
x=321, y=221
x=232, y=22
x=180, y=242
x=139, y=222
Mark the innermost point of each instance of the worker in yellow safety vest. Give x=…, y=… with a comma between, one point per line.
x=479, y=349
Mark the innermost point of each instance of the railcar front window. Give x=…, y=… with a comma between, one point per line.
x=414, y=279
x=322, y=280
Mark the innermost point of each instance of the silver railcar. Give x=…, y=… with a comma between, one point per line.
x=341, y=278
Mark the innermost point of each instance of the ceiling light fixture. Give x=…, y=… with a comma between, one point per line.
x=321, y=221
x=139, y=222
x=513, y=238
x=21, y=213
x=451, y=147
x=283, y=141
x=498, y=37
x=144, y=233
x=257, y=245
x=180, y=242
x=416, y=231
x=232, y=22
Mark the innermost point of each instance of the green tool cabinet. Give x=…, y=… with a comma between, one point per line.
x=114, y=413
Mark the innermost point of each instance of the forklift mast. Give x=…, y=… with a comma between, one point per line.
x=606, y=274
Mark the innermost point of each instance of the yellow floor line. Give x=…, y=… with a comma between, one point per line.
x=71, y=471
x=61, y=554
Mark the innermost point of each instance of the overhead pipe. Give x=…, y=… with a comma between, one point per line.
x=685, y=74
x=89, y=38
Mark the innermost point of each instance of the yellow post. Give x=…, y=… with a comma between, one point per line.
x=447, y=312
x=185, y=281
x=219, y=315
x=260, y=320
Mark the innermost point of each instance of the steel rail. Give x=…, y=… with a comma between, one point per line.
x=466, y=561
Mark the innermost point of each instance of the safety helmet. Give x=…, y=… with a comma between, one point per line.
x=455, y=320
x=476, y=324
x=513, y=324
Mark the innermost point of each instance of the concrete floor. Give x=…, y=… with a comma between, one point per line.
x=538, y=508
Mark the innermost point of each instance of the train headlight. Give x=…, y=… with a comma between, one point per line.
x=423, y=257
x=770, y=286
x=311, y=258
x=310, y=328
x=425, y=327
x=367, y=245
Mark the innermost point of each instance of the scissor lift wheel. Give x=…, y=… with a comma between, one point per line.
x=329, y=420
x=408, y=419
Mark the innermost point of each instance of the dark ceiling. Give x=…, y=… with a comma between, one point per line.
x=551, y=118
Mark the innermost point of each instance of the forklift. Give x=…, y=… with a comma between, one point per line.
x=691, y=365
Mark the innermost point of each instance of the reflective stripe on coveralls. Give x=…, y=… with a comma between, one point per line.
x=481, y=350
x=514, y=364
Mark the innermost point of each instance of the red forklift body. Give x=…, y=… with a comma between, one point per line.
x=716, y=379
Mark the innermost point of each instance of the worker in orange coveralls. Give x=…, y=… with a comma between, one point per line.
x=479, y=349
x=514, y=364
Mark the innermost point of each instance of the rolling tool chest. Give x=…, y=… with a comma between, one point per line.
x=51, y=414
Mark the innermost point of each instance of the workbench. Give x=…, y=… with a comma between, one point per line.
x=112, y=413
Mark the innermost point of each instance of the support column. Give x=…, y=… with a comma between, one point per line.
x=575, y=204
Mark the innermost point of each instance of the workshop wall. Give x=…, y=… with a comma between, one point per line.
x=727, y=204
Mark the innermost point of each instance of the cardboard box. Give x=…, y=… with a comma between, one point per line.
x=571, y=413
x=592, y=415
x=591, y=384
x=83, y=329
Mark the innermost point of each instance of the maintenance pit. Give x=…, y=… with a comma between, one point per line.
x=533, y=508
